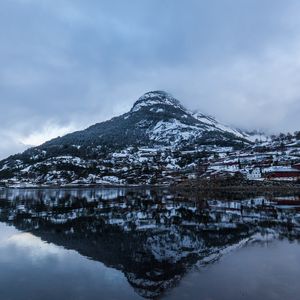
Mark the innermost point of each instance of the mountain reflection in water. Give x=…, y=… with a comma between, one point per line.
x=153, y=237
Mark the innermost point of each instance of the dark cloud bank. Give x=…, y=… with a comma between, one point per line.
x=66, y=64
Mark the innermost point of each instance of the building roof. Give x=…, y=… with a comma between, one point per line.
x=281, y=169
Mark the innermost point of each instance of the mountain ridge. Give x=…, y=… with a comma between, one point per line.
x=151, y=105
x=158, y=126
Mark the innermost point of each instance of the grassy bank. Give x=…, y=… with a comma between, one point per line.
x=235, y=188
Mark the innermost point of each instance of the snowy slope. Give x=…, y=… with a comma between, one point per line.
x=105, y=150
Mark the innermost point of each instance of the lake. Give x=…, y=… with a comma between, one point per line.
x=146, y=243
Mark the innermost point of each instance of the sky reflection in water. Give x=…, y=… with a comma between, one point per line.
x=121, y=244
x=33, y=269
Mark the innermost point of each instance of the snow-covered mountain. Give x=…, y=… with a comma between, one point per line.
x=156, y=118
x=157, y=124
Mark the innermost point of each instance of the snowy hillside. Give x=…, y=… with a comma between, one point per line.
x=155, y=130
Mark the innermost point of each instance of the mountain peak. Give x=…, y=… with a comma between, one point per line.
x=155, y=135
x=156, y=98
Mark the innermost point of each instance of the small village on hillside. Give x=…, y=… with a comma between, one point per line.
x=157, y=142
x=277, y=158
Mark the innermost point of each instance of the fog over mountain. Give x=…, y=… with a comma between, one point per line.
x=67, y=64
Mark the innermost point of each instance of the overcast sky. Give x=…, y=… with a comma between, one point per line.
x=66, y=64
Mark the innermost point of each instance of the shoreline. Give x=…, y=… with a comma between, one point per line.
x=87, y=186
x=220, y=188
x=238, y=189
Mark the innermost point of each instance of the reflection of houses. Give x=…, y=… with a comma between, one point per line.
x=282, y=174
x=153, y=236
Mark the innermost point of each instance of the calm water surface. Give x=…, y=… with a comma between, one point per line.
x=137, y=244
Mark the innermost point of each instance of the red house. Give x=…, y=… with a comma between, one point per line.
x=283, y=174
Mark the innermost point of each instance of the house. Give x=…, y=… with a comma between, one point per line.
x=229, y=166
x=297, y=166
x=254, y=174
x=282, y=174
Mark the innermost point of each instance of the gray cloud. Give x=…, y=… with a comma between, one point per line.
x=66, y=64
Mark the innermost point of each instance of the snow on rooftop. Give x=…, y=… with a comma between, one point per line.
x=281, y=169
